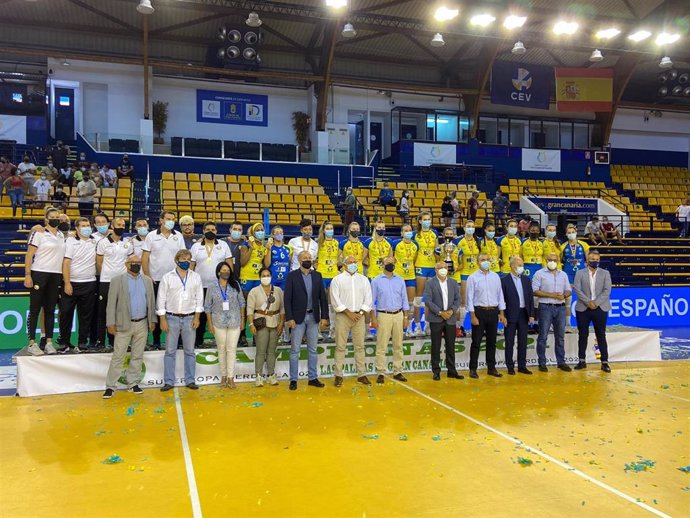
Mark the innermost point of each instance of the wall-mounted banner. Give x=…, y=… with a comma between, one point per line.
x=13, y=127
x=427, y=154
x=231, y=108
x=567, y=205
x=516, y=84
x=541, y=160
x=584, y=89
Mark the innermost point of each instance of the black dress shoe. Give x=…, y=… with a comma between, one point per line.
x=380, y=379
x=338, y=381
x=456, y=376
x=580, y=365
x=564, y=367
x=494, y=373
x=313, y=383
x=363, y=380
x=605, y=367
x=400, y=377
x=543, y=368
x=524, y=370
x=473, y=374
x=437, y=377
x=511, y=371
x=192, y=386
x=293, y=385
x=166, y=387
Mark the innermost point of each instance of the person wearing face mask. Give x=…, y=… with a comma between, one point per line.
x=449, y=252
x=224, y=306
x=27, y=170
x=187, y=229
x=266, y=316
x=327, y=265
x=501, y=204
x=574, y=256
x=532, y=251
x=59, y=155
x=111, y=254
x=158, y=256
x=489, y=246
x=179, y=305
x=206, y=255
x=404, y=207
x=551, y=245
x=306, y=309
x=141, y=226
x=473, y=206
x=593, y=289
x=7, y=169
x=131, y=314
x=683, y=218
x=125, y=169
x=378, y=248
x=86, y=189
x=252, y=259
x=468, y=252
x=236, y=244
x=82, y=162
x=551, y=287
x=405, y=253
x=278, y=258
x=510, y=245
x=59, y=199
x=426, y=238
x=447, y=212
x=353, y=246
x=303, y=242
x=487, y=306
x=42, y=189
x=79, y=287
x=390, y=307
x=519, y=299
x=351, y=299
x=441, y=302
x=52, y=173
x=14, y=186
x=78, y=174
x=43, y=277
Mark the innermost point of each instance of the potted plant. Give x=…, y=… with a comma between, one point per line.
x=300, y=123
x=160, y=120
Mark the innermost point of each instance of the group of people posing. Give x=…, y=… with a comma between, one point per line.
x=184, y=285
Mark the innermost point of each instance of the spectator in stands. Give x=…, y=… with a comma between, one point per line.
x=405, y=253
x=386, y=198
x=473, y=206
x=7, y=168
x=425, y=263
x=404, y=207
x=350, y=205
x=594, y=232
x=108, y=176
x=78, y=175
x=59, y=198
x=125, y=169
x=131, y=314
x=187, y=228
x=42, y=189
x=224, y=307
x=610, y=230
x=66, y=176
x=683, y=217
x=266, y=317
x=447, y=212
x=59, y=155
x=43, y=277
x=86, y=190
x=207, y=253
x=52, y=173
x=327, y=264
x=303, y=242
x=79, y=286
x=14, y=186
x=252, y=259
x=82, y=162
x=179, y=305
x=27, y=170
x=457, y=212
x=523, y=226
x=137, y=241
x=501, y=206
x=95, y=174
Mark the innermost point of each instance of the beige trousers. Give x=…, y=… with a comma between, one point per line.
x=390, y=326
x=343, y=326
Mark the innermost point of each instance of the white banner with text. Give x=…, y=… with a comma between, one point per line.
x=548, y=160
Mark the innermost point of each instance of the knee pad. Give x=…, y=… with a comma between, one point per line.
x=417, y=302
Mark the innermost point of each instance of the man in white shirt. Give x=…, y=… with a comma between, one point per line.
x=141, y=226
x=86, y=189
x=158, y=256
x=111, y=254
x=351, y=298
x=108, y=176
x=302, y=243
x=179, y=306
x=683, y=216
x=596, y=236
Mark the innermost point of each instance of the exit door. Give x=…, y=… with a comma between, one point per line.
x=64, y=114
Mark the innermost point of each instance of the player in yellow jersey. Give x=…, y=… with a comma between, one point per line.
x=252, y=258
x=533, y=250
x=354, y=247
x=468, y=251
x=511, y=245
x=378, y=248
x=425, y=265
x=405, y=253
x=551, y=245
x=489, y=246
x=327, y=264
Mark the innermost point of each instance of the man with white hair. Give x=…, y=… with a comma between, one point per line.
x=519, y=299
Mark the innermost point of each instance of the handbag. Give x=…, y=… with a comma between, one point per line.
x=260, y=323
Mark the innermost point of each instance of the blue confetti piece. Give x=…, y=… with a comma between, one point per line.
x=130, y=411
x=685, y=469
x=437, y=437
x=527, y=462
x=375, y=436
x=256, y=404
x=113, y=459
x=639, y=466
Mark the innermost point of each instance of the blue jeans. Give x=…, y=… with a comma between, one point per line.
x=551, y=314
x=16, y=197
x=179, y=326
x=311, y=328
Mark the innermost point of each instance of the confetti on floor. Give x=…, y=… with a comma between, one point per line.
x=113, y=459
x=685, y=469
x=641, y=465
x=100, y=432
x=159, y=410
x=256, y=404
x=130, y=411
x=375, y=436
x=525, y=462
x=403, y=437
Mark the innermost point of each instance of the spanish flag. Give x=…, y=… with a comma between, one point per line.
x=584, y=89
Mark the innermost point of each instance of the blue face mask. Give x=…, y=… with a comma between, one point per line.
x=485, y=265
x=550, y=234
x=236, y=234
x=594, y=264
x=102, y=228
x=85, y=231
x=352, y=267
x=170, y=225
x=512, y=230
x=328, y=233
x=143, y=231
x=490, y=235
x=184, y=265
x=278, y=237
x=426, y=225
x=259, y=234
x=408, y=235
x=469, y=231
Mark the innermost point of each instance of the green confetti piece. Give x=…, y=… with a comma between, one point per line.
x=100, y=432
x=685, y=469
x=113, y=459
x=375, y=436
x=256, y=404
x=437, y=437
x=403, y=437
x=687, y=488
x=130, y=411
x=524, y=462
x=665, y=387
x=159, y=410
x=642, y=465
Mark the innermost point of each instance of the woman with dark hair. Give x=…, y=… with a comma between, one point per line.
x=447, y=212
x=266, y=316
x=224, y=309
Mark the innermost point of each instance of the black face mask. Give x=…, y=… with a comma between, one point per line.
x=53, y=222
x=354, y=233
x=381, y=232
x=390, y=267
x=306, y=265
x=225, y=275
x=211, y=236
x=135, y=268
x=534, y=235
x=118, y=231
x=63, y=227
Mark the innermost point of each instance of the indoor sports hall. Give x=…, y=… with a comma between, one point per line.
x=353, y=258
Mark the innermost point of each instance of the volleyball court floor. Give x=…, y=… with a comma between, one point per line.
x=550, y=444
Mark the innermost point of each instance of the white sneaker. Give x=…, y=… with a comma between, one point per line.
x=272, y=380
x=427, y=329
x=418, y=332
x=35, y=350
x=259, y=381
x=409, y=334
x=50, y=349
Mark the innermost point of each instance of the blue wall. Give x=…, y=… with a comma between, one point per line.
x=647, y=157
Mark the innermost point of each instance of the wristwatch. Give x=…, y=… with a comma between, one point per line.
x=361, y=312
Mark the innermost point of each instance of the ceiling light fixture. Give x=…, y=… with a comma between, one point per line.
x=145, y=7
x=519, y=48
x=437, y=41
x=482, y=20
x=514, y=22
x=444, y=14
x=253, y=20
x=639, y=36
x=563, y=27
x=666, y=39
x=596, y=56
x=336, y=4
x=665, y=62
x=607, y=34
x=349, y=31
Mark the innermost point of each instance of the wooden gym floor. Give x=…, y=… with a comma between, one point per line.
x=555, y=444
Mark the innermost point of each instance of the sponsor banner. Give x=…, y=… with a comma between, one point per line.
x=548, y=160
x=516, y=84
x=428, y=154
x=86, y=372
x=584, y=89
x=13, y=127
x=569, y=205
x=231, y=108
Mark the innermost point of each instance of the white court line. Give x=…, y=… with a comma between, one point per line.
x=191, y=479
x=637, y=387
x=539, y=452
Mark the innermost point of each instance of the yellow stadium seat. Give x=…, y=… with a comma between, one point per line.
x=242, y=179
x=302, y=181
x=193, y=177
x=195, y=186
x=168, y=176
x=180, y=177
x=207, y=178
x=313, y=181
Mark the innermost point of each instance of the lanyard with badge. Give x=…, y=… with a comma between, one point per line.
x=185, y=295
x=224, y=295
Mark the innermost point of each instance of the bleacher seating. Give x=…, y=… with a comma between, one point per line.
x=220, y=197
x=662, y=187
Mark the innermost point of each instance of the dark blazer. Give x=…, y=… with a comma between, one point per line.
x=296, y=297
x=512, y=298
x=433, y=300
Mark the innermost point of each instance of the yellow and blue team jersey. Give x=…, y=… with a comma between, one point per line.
x=280, y=264
x=532, y=254
x=378, y=251
x=549, y=246
x=327, y=261
x=405, y=255
x=426, y=255
x=574, y=258
x=510, y=246
x=490, y=248
x=250, y=271
x=468, y=249
x=354, y=249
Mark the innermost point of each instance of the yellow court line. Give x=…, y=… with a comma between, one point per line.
x=536, y=451
x=637, y=387
x=189, y=467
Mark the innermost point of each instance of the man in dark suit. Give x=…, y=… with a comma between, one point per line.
x=441, y=302
x=519, y=298
x=306, y=309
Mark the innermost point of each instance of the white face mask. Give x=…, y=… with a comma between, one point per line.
x=520, y=270
x=443, y=272
x=265, y=281
x=469, y=231
x=552, y=265
x=572, y=236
